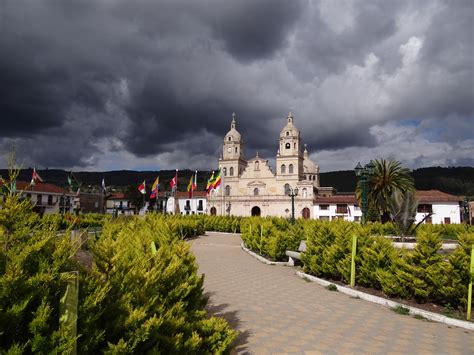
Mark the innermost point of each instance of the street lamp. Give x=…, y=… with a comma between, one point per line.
x=466, y=210
x=364, y=174
x=293, y=192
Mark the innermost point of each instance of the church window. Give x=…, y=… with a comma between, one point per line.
x=290, y=169
x=256, y=165
x=230, y=138
x=255, y=191
x=287, y=134
x=286, y=189
x=227, y=190
x=283, y=169
x=236, y=150
x=294, y=145
x=305, y=193
x=225, y=171
x=231, y=171
x=287, y=146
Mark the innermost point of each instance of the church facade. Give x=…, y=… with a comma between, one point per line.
x=251, y=187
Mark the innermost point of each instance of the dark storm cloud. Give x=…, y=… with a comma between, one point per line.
x=254, y=29
x=86, y=83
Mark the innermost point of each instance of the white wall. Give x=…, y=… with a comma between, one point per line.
x=331, y=212
x=194, y=204
x=441, y=211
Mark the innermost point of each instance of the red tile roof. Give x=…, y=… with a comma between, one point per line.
x=436, y=196
x=349, y=199
x=41, y=187
x=117, y=196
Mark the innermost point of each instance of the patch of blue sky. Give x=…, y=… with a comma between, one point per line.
x=409, y=123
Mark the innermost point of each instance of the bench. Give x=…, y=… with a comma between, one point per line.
x=296, y=255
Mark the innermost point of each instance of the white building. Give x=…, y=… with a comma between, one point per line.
x=445, y=207
x=185, y=205
x=344, y=207
x=48, y=198
x=121, y=205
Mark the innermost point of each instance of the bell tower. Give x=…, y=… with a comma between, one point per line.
x=232, y=159
x=289, y=159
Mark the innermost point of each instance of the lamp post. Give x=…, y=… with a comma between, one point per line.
x=466, y=210
x=364, y=173
x=166, y=195
x=293, y=192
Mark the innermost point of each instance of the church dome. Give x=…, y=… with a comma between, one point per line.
x=289, y=130
x=308, y=165
x=233, y=135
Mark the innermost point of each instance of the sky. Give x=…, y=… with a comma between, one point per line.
x=148, y=85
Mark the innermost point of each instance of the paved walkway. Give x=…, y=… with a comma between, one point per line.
x=278, y=312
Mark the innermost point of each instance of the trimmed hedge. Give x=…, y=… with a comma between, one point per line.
x=130, y=301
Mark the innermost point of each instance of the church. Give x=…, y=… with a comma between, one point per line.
x=252, y=188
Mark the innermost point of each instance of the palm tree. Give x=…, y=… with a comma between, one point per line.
x=389, y=176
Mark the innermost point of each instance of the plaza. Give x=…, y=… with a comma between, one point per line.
x=277, y=312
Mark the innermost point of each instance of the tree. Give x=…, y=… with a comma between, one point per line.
x=389, y=176
x=403, y=207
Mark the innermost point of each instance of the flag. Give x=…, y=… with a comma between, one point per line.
x=103, y=185
x=192, y=184
x=154, y=188
x=174, y=181
x=73, y=183
x=142, y=188
x=35, y=177
x=217, y=180
x=210, y=182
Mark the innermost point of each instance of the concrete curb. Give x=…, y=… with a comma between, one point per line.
x=261, y=258
x=391, y=304
x=206, y=232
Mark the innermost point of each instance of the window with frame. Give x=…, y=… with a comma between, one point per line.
x=286, y=189
x=255, y=191
x=324, y=207
x=447, y=220
x=231, y=171
x=200, y=206
x=305, y=193
x=224, y=170
x=50, y=200
x=257, y=165
x=227, y=190
x=341, y=208
x=324, y=218
x=188, y=205
x=283, y=169
x=424, y=208
x=290, y=169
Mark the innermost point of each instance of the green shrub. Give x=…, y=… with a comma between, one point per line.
x=460, y=260
x=148, y=301
x=32, y=257
x=130, y=301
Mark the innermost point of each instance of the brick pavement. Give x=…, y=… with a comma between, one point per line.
x=278, y=312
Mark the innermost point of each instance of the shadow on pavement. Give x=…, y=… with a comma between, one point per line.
x=240, y=343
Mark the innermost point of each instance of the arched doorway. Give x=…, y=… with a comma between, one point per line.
x=305, y=213
x=256, y=211
x=213, y=211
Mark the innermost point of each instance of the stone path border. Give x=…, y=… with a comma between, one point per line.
x=367, y=297
x=390, y=304
x=261, y=258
